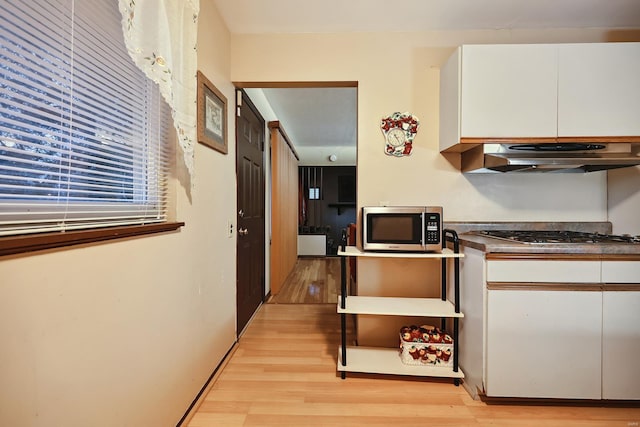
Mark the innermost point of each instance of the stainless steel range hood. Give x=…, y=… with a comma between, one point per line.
x=549, y=157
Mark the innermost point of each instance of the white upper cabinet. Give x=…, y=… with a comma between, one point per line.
x=509, y=91
x=599, y=89
x=498, y=91
x=538, y=92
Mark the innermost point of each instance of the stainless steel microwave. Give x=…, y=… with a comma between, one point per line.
x=402, y=228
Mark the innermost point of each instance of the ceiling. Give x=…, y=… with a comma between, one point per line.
x=319, y=121
x=317, y=117
x=328, y=114
x=296, y=16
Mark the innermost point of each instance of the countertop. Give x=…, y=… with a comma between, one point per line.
x=493, y=245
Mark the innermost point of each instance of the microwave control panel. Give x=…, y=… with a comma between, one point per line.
x=432, y=228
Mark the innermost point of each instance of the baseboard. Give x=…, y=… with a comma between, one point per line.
x=202, y=394
x=540, y=401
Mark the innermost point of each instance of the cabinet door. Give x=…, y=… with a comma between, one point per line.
x=621, y=330
x=621, y=345
x=509, y=91
x=544, y=344
x=599, y=89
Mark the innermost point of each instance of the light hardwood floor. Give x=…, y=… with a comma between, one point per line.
x=312, y=281
x=282, y=372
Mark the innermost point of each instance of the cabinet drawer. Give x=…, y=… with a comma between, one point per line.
x=621, y=272
x=560, y=271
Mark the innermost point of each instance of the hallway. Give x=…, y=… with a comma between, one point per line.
x=314, y=280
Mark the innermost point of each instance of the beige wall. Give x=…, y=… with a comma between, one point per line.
x=127, y=332
x=400, y=72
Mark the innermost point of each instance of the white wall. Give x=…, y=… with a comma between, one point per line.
x=127, y=332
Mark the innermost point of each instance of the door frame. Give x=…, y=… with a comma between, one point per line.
x=267, y=154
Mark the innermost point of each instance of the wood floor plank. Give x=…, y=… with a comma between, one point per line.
x=342, y=421
x=208, y=419
x=409, y=412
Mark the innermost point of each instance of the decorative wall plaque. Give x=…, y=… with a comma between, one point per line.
x=399, y=129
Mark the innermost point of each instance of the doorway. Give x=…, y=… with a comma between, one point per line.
x=325, y=152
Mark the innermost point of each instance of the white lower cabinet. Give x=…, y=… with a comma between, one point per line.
x=621, y=330
x=562, y=328
x=621, y=345
x=544, y=344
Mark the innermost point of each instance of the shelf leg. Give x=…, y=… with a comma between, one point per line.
x=443, y=272
x=343, y=282
x=455, y=343
x=343, y=329
x=342, y=302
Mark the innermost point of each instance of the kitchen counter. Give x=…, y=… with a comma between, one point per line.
x=493, y=245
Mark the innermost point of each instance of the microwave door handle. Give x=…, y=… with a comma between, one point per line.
x=423, y=225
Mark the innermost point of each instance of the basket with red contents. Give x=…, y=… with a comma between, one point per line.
x=425, y=345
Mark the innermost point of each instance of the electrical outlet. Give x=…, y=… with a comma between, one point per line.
x=229, y=229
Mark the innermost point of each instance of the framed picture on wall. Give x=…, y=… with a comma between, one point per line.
x=212, y=115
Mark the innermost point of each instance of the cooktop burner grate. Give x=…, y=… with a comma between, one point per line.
x=552, y=236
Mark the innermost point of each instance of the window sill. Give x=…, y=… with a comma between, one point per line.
x=12, y=245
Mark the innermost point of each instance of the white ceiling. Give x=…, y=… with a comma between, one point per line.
x=320, y=117
x=328, y=115
x=300, y=16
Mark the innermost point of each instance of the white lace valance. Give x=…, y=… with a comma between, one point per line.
x=161, y=37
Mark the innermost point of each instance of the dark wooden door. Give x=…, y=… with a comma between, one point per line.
x=250, y=262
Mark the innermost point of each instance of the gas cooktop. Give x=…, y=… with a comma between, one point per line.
x=552, y=236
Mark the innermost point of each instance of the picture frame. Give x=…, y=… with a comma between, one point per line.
x=212, y=115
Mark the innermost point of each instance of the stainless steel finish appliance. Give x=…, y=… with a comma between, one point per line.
x=550, y=157
x=402, y=228
x=553, y=236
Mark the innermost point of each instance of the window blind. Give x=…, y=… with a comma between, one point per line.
x=83, y=133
